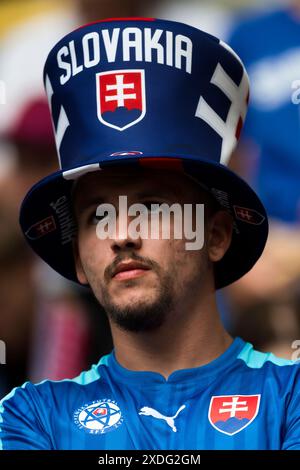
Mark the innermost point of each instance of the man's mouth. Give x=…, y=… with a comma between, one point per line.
x=129, y=270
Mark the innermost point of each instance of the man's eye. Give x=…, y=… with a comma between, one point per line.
x=94, y=218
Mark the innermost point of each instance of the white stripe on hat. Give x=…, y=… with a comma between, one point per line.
x=75, y=173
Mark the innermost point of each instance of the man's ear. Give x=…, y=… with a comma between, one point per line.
x=220, y=227
x=78, y=265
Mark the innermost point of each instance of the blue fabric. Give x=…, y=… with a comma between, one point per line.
x=269, y=46
x=255, y=395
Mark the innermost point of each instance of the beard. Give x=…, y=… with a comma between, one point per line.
x=141, y=315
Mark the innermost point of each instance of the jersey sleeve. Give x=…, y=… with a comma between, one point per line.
x=292, y=430
x=21, y=423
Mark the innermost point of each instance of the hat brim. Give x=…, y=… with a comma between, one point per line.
x=48, y=224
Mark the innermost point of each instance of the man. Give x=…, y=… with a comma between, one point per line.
x=145, y=109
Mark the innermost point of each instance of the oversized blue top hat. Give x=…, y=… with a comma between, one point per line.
x=131, y=91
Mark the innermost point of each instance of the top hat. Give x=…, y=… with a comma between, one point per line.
x=141, y=91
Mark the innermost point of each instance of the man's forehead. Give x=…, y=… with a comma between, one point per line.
x=129, y=179
x=97, y=187
x=137, y=182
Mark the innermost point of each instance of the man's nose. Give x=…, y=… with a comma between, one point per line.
x=123, y=239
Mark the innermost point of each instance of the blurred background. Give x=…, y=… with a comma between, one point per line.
x=52, y=328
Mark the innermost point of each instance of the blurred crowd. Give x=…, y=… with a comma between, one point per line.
x=52, y=328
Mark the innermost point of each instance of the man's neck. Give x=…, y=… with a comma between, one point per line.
x=189, y=338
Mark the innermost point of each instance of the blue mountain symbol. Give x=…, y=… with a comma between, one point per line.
x=232, y=424
x=121, y=116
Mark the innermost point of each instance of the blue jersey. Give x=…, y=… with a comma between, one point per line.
x=269, y=45
x=244, y=399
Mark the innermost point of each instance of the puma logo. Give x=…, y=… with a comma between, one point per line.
x=156, y=414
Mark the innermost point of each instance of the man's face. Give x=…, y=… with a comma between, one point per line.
x=165, y=274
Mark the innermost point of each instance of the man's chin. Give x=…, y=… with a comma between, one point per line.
x=138, y=316
x=135, y=300
x=132, y=288
x=139, y=308
x=134, y=297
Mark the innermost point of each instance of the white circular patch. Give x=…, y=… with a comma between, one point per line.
x=99, y=416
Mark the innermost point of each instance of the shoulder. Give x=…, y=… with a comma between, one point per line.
x=269, y=366
x=28, y=412
x=32, y=393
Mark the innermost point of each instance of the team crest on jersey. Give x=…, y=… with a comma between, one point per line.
x=99, y=417
x=230, y=414
x=121, y=101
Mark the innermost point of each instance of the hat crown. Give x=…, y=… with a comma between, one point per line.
x=155, y=87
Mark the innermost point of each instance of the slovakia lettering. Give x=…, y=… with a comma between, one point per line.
x=134, y=44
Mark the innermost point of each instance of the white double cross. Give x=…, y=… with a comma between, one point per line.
x=234, y=406
x=238, y=108
x=120, y=87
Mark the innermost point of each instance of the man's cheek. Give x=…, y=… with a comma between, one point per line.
x=92, y=266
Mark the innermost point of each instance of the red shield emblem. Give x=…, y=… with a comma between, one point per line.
x=100, y=412
x=232, y=413
x=250, y=216
x=121, y=98
x=41, y=228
